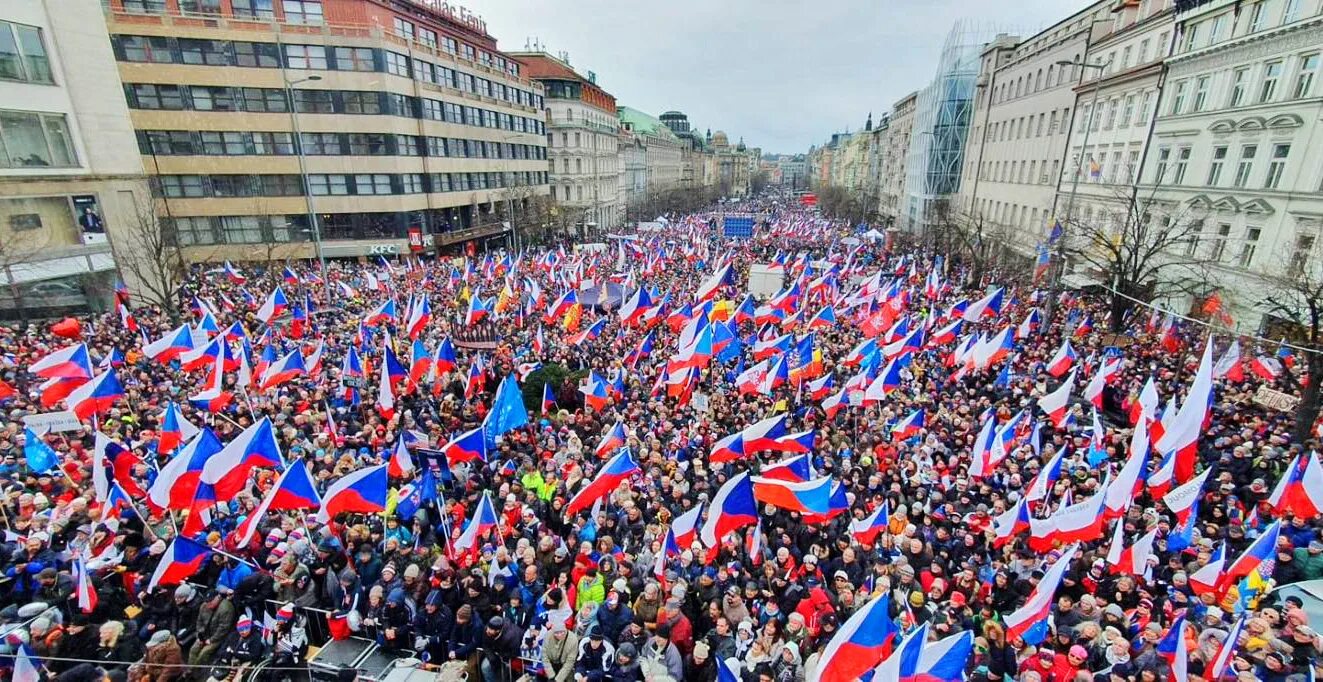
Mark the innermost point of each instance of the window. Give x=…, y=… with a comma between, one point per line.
x=1215, y=169
x=31, y=139
x=397, y=64
x=166, y=142
x=314, y=102
x=182, y=186
x=194, y=230
x=378, y=183
x=1144, y=108
x=1239, y=81
x=1164, y=157
x=252, y=9
x=234, y=185
x=269, y=100
x=1220, y=244
x=1215, y=28
x=403, y=29
x=362, y=103
x=1271, y=73
x=308, y=12
x=424, y=71
x=1127, y=111
x=149, y=96
x=334, y=185
x=200, y=6
x=1276, y=165
x=1292, y=11
x=320, y=144
x=265, y=55
x=354, y=59
x=1304, y=80
x=145, y=6
x=241, y=229
x=367, y=144
x=1143, y=51
x=1125, y=57
x=151, y=49
x=466, y=51
x=427, y=37
x=449, y=45
x=1304, y=249
x=209, y=98
x=1114, y=168
x=1132, y=165
x=1247, y=248
x=278, y=144
x=1246, y=165
x=1178, y=99
x=1200, y=93
x=23, y=54
x=305, y=56
x=1191, y=37
x=411, y=183
x=1182, y=161
x=1258, y=16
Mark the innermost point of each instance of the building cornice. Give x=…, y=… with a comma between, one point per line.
x=1283, y=39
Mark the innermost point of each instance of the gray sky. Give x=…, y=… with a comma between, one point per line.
x=784, y=74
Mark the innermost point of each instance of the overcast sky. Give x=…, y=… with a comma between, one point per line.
x=784, y=74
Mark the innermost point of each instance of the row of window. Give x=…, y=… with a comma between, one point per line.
x=1247, y=85
x=240, y=143
x=310, y=13
x=275, y=100
x=167, y=50
x=207, y=230
x=1172, y=165
x=1240, y=21
x=338, y=184
x=30, y=139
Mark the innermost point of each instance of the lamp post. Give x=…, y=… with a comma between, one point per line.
x=1054, y=284
x=313, y=223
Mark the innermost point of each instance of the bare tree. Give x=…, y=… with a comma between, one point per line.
x=149, y=251
x=982, y=243
x=19, y=248
x=1142, y=249
x=1295, y=296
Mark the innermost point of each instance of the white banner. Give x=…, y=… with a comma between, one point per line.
x=53, y=422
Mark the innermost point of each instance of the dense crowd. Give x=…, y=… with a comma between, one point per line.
x=597, y=594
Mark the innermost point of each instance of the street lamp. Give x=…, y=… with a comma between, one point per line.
x=313, y=223
x=1055, y=283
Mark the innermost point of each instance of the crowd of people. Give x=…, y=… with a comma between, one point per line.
x=600, y=594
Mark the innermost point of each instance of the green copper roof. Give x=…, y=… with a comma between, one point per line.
x=642, y=123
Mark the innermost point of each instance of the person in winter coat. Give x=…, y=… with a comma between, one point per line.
x=559, y=651
x=162, y=662
x=396, y=619
x=432, y=626
x=1002, y=661
x=613, y=616
x=115, y=650
x=700, y=666
x=682, y=631
x=595, y=658
x=465, y=636
x=626, y=666
x=244, y=646
x=294, y=582
x=788, y=666
x=501, y=642
x=661, y=650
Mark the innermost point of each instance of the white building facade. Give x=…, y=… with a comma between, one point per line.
x=1236, y=141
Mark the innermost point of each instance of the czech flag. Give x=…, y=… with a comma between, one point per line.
x=1300, y=490
x=1062, y=361
x=206, y=356
x=445, y=360
x=233, y=273
x=824, y=319
x=419, y=316
x=227, y=471
x=865, y=530
x=946, y=334
x=484, y=519
x=764, y=434
x=67, y=363
x=1172, y=648
x=801, y=442
x=420, y=362
x=294, y=490
x=1029, y=622
x=1266, y=368
x=1264, y=548
x=709, y=288
x=181, y=561
x=466, y=447
x=635, y=307
x=728, y=449
x=804, y=497
x=909, y=426
x=1057, y=403
x=401, y=463
x=884, y=384
x=96, y=395
x=1209, y=577
x=382, y=314
x=282, y=370
x=214, y=398
x=175, y=430
x=990, y=303
x=733, y=507
x=548, y=400
x=612, y=440
x=171, y=345
x=794, y=469
x=1010, y=523
x=362, y=491
x=821, y=388
x=1132, y=560
x=617, y=469
x=273, y=306
x=594, y=391
x=863, y=641
x=177, y=483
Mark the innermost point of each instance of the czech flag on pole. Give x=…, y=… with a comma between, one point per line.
x=733, y=507
x=1264, y=548
x=909, y=426
x=484, y=519
x=1300, y=492
x=866, y=530
x=466, y=447
x=1057, y=403
x=361, y=491
x=797, y=468
x=273, y=306
x=294, y=490
x=617, y=469
x=182, y=559
x=177, y=483
x=1029, y=622
x=612, y=440
x=860, y=645
x=67, y=363
x=171, y=345
x=96, y=395
x=805, y=497
x=227, y=471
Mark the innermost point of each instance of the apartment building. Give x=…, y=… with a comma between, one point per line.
x=71, y=181
x=900, y=126
x=381, y=126
x=1236, y=139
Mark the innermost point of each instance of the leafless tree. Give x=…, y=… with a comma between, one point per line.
x=149, y=251
x=983, y=244
x=1141, y=249
x=1294, y=295
x=19, y=248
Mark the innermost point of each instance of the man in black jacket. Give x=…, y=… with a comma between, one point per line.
x=501, y=642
